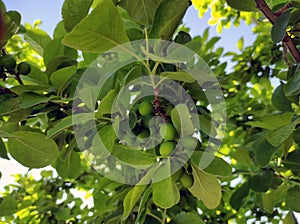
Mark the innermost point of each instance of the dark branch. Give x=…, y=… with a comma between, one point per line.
x=4, y=90
x=288, y=43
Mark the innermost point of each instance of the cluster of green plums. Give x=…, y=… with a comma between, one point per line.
x=170, y=140
x=8, y=64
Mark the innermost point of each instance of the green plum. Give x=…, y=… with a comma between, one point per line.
x=166, y=148
x=24, y=68
x=186, y=180
x=8, y=61
x=145, y=108
x=167, y=131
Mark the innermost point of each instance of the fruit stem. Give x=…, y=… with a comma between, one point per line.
x=17, y=77
x=156, y=103
x=164, y=216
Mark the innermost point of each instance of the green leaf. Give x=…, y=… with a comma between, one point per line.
x=27, y=100
x=132, y=198
x=142, y=11
x=280, y=101
x=36, y=76
x=62, y=125
x=187, y=218
x=236, y=200
x=277, y=136
x=53, y=49
x=292, y=161
x=165, y=192
x=61, y=77
x=181, y=119
x=216, y=167
x=3, y=151
x=242, y=5
x=105, y=106
x=292, y=87
x=261, y=182
x=12, y=26
x=68, y=165
x=267, y=122
x=59, y=62
x=178, y=76
x=8, y=206
x=167, y=18
x=108, y=137
x=240, y=44
x=134, y=195
x=32, y=149
x=243, y=157
x=37, y=38
x=289, y=218
x=66, y=123
x=73, y=11
x=101, y=202
x=100, y=31
x=273, y=197
x=30, y=88
x=293, y=198
x=279, y=28
x=133, y=156
x=9, y=106
x=206, y=125
x=206, y=188
x=60, y=30
x=263, y=152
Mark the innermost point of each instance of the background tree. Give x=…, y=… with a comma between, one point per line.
x=39, y=78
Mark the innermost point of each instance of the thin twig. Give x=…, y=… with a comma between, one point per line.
x=288, y=43
x=17, y=77
x=4, y=90
x=280, y=11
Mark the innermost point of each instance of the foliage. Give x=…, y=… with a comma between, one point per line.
x=39, y=108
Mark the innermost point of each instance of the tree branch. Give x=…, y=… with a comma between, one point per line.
x=287, y=42
x=4, y=90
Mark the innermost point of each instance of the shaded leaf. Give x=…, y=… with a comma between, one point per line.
x=68, y=165
x=293, y=198
x=242, y=5
x=236, y=200
x=108, y=137
x=187, y=218
x=73, y=11
x=8, y=206
x=28, y=99
x=3, y=151
x=61, y=77
x=167, y=18
x=263, y=152
x=277, y=136
x=279, y=28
